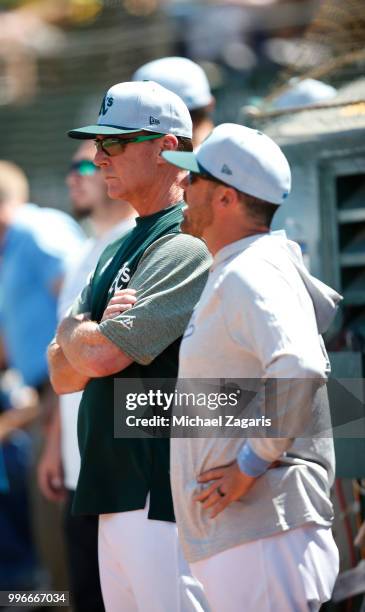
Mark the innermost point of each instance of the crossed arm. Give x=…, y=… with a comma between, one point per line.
x=168, y=280
x=80, y=352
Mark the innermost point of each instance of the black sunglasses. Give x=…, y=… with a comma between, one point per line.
x=116, y=146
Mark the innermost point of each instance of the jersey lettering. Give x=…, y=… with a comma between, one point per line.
x=123, y=277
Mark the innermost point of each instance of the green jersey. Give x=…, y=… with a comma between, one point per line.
x=168, y=269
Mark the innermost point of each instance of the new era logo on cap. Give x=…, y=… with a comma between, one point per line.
x=154, y=121
x=226, y=170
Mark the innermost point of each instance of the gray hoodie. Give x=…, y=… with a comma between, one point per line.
x=259, y=318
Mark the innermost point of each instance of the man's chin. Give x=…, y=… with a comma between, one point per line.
x=82, y=213
x=114, y=194
x=187, y=228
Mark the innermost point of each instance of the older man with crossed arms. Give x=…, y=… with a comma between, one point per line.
x=126, y=481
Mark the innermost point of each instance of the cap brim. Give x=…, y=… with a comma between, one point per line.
x=91, y=131
x=182, y=159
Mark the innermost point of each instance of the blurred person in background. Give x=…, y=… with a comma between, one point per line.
x=59, y=467
x=19, y=564
x=36, y=246
x=302, y=93
x=189, y=81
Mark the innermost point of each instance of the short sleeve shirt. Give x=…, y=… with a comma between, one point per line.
x=117, y=474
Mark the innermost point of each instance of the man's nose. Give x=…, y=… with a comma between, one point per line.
x=71, y=178
x=101, y=158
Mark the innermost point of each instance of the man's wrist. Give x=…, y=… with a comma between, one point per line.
x=250, y=463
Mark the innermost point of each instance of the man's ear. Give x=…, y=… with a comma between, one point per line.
x=227, y=196
x=167, y=143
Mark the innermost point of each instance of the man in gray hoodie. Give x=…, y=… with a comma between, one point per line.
x=254, y=515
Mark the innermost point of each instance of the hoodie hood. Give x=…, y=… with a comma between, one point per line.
x=325, y=299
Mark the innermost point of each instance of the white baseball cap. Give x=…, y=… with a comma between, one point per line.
x=304, y=93
x=242, y=158
x=182, y=76
x=132, y=107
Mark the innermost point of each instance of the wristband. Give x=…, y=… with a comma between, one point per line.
x=250, y=463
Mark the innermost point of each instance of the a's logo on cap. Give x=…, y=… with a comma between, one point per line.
x=106, y=104
x=226, y=169
x=154, y=121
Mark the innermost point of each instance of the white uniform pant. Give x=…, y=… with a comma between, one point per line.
x=142, y=568
x=294, y=571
